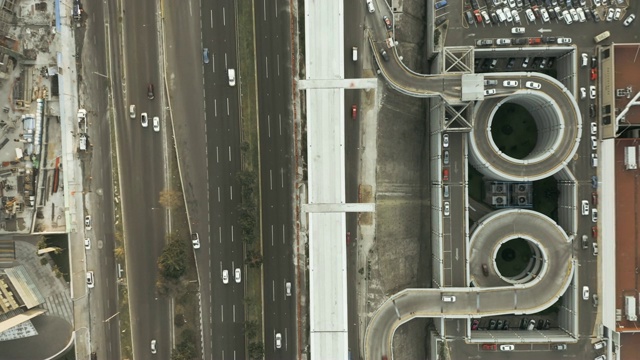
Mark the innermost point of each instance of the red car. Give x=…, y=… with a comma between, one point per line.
x=445, y=174
x=594, y=231
x=387, y=22
x=535, y=41
x=478, y=16
x=594, y=74
x=594, y=198
x=354, y=112
x=348, y=237
x=474, y=325
x=489, y=347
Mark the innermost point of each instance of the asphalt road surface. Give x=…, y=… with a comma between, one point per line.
x=104, y=327
x=142, y=175
x=223, y=304
x=273, y=63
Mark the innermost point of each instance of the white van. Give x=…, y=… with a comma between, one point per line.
x=232, y=77
x=594, y=160
x=370, y=6
x=354, y=53
x=448, y=298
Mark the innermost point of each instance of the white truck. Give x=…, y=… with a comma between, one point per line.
x=630, y=308
x=630, y=158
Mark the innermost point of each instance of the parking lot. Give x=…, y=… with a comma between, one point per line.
x=464, y=32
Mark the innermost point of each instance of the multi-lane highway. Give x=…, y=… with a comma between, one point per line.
x=275, y=114
x=223, y=304
x=105, y=330
x=142, y=162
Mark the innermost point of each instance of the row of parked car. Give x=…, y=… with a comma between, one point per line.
x=523, y=41
x=525, y=324
x=524, y=63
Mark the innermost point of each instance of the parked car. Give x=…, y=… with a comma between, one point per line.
x=507, y=14
x=594, y=74
x=469, y=17
x=585, y=60
x=594, y=232
x=87, y=222
x=492, y=324
x=540, y=324
x=484, y=42
x=503, y=42
x=592, y=110
x=445, y=140
x=445, y=174
x=595, y=247
x=507, y=347
x=592, y=92
x=594, y=215
x=559, y=347
x=510, y=83
x=510, y=63
x=87, y=243
x=519, y=41
x=499, y=324
x=599, y=345
x=387, y=22
x=489, y=347
x=585, y=242
x=585, y=207
x=195, y=240
x=594, y=128
x=616, y=14
x=610, y=13
x=506, y=325
x=594, y=182
x=530, y=15
x=90, y=280
x=564, y=40
x=474, y=324
x=532, y=325
x=583, y=93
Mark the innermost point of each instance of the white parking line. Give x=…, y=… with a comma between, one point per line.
x=269, y=125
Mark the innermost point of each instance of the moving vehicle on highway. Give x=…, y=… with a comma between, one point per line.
x=585, y=293
x=278, y=341
x=232, y=77
x=156, y=124
x=132, y=111
x=445, y=140
x=150, y=93
x=225, y=276
x=153, y=346
x=144, y=119
x=205, y=55
x=354, y=111
x=238, y=275
x=195, y=240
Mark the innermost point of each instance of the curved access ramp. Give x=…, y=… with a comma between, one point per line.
x=557, y=117
x=553, y=275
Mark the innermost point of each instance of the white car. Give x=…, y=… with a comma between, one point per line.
x=445, y=140
x=153, y=346
x=507, y=347
x=446, y=208
x=87, y=222
x=594, y=215
x=238, y=274
x=488, y=92
x=485, y=16
x=532, y=85
x=585, y=207
x=616, y=14
x=90, y=280
x=232, y=77
x=500, y=15
x=594, y=143
x=288, y=288
x=370, y=6
x=574, y=14
x=599, y=345
x=225, y=276
x=564, y=40
x=132, y=111
x=585, y=293
x=592, y=92
x=517, y=30
x=503, y=42
x=195, y=240
x=585, y=60
x=530, y=15
x=278, y=341
x=512, y=3
x=156, y=124
x=567, y=17
x=507, y=14
x=87, y=243
x=610, y=13
x=144, y=119
x=516, y=17
x=629, y=20
x=545, y=15
x=594, y=128
x=583, y=93
x=510, y=83
x=581, y=16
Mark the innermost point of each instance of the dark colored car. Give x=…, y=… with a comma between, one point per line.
x=150, y=94
x=547, y=324
x=519, y=41
x=550, y=39
x=592, y=110
x=594, y=198
x=384, y=54
x=551, y=62
x=494, y=18
x=485, y=270
x=594, y=232
x=499, y=325
x=510, y=63
x=475, y=324
x=594, y=62
x=536, y=62
x=540, y=324
x=594, y=182
x=506, y=325
x=492, y=325
x=474, y=4
x=387, y=22
x=523, y=324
